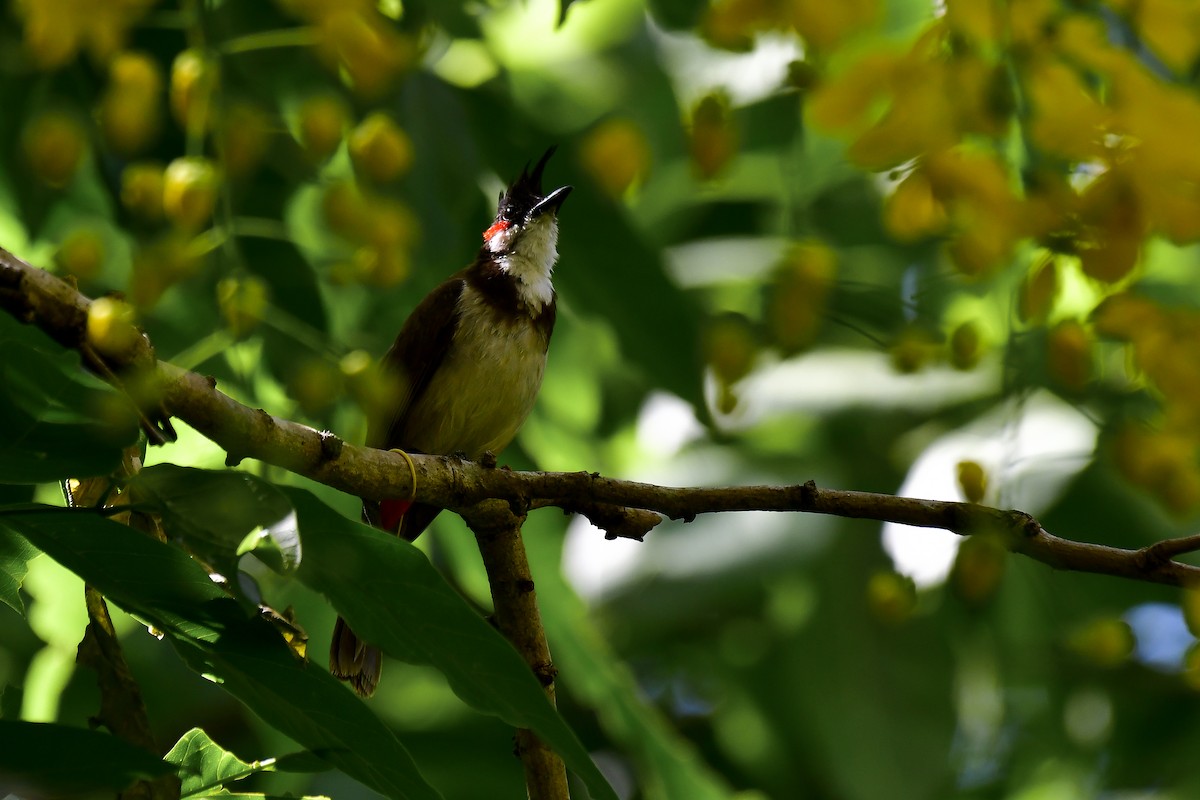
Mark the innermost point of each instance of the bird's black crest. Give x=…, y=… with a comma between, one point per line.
x=524, y=192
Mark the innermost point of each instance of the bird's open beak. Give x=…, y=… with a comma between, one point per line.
x=550, y=202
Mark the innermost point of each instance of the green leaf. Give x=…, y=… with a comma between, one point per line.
x=15, y=554
x=59, y=421
x=162, y=585
x=39, y=758
x=203, y=764
x=455, y=18
x=600, y=264
x=391, y=595
x=223, y=515
x=11, y=698
x=222, y=793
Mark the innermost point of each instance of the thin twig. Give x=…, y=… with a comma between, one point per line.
x=122, y=708
x=1160, y=553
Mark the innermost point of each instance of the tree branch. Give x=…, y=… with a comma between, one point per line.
x=36, y=296
x=497, y=529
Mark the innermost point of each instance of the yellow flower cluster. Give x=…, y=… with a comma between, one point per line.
x=1069, y=126
x=1164, y=347
x=56, y=30
x=354, y=39
x=1031, y=71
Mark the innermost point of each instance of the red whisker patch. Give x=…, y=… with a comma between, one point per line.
x=497, y=226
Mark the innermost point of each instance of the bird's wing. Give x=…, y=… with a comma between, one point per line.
x=414, y=357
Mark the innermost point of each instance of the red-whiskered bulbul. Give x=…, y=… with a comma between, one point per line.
x=469, y=360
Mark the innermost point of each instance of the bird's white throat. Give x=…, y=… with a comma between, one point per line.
x=528, y=254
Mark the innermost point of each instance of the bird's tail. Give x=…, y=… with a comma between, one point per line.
x=349, y=657
x=353, y=660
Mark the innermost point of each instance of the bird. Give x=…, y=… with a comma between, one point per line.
x=469, y=362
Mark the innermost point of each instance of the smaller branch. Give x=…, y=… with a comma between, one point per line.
x=498, y=531
x=1157, y=555
x=617, y=522
x=122, y=709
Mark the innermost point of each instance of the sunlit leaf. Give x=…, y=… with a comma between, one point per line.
x=15, y=553
x=205, y=767
x=203, y=764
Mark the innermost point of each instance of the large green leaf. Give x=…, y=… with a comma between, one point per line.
x=244, y=654
x=455, y=18
x=216, y=521
x=390, y=594
x=609, y=272
x=43, y=759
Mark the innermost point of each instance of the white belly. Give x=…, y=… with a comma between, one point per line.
x=485, y=388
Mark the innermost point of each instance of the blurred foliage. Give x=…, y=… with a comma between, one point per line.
x=947, y=249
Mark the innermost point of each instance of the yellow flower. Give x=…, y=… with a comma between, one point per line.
x=1113, y=227
x=55, y=30
x=798, y=294
x=982, y=208
x=1069, y=355
x=1171, y=28
x=912, y=211
x=1067, y=121
x=976, y=21
x=845, y=102
x=713, y=138
x=615, y=153
x=824, y=25
x=1038, y=290
x=919, y=120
